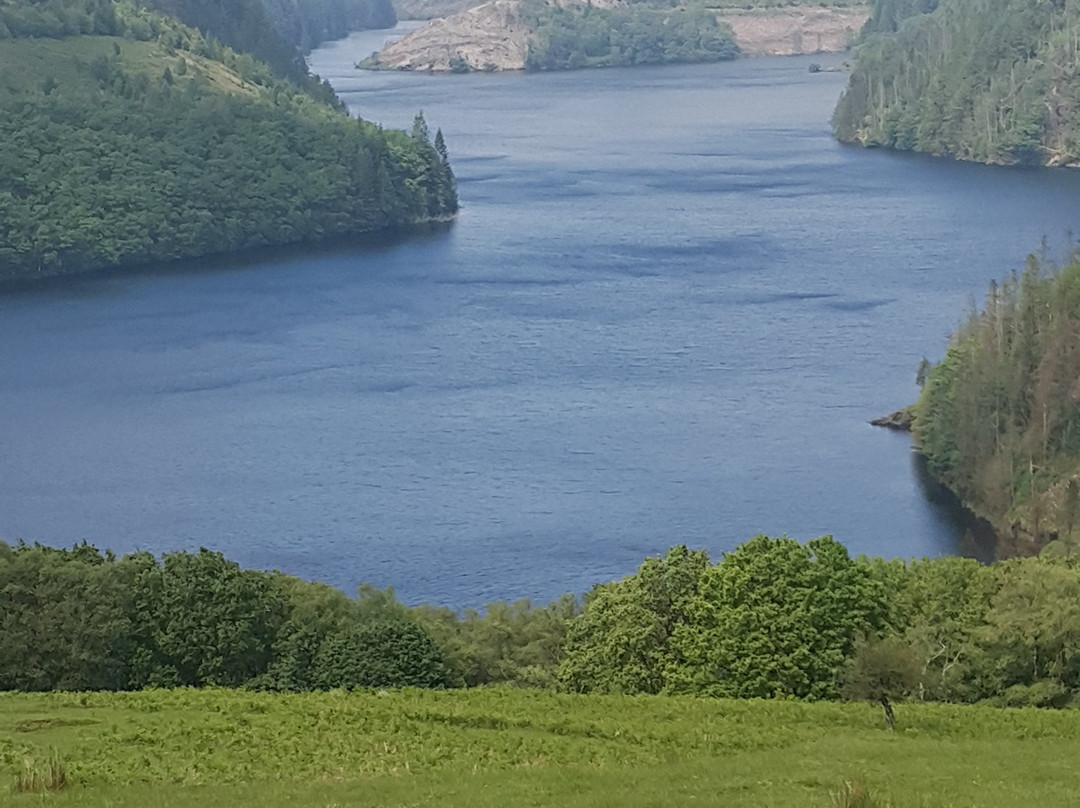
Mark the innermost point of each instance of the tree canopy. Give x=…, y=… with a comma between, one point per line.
x=573, y=36
x=774, y=618
x=989, y=81
x=158, y=142
x=999, y=417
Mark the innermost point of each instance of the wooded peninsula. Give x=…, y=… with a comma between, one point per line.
x=132, y=137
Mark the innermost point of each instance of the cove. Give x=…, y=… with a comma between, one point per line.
x=668, y=309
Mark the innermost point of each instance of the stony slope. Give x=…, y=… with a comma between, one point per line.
x=794, y=30
x=490, y=36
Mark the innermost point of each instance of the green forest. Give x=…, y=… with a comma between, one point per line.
x=573, y=36
x=775, y=618
x=987, y=80
x=999, y=417
x=306, y=23
x=131, y=137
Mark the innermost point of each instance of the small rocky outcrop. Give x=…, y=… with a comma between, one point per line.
x=901, y=419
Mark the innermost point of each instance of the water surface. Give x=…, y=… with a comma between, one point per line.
x=668, y=309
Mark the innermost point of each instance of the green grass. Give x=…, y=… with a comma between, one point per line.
x=517, y=748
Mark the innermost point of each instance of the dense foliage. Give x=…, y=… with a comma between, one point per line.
x=994, y=81
x=779, y=618
x=773, y=618
x=999, y=416
x=272, y=31
x=166, y=144
x=82, y=620
x=243, y=25
x=305, y=23
x=887, y=15
x=582, y=35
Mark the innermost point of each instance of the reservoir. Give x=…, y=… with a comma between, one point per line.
x=668, y=309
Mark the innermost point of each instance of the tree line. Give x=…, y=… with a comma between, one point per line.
x=985, y=80
x=775, y=618
x=163, y=143
x=999, y=417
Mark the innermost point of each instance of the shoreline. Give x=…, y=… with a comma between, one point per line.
x=232, y=259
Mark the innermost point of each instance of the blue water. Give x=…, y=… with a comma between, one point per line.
x=668, y=309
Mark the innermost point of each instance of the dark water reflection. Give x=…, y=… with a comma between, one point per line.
x=976, y=537
x=669, y=308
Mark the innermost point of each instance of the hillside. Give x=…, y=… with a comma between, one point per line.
x=988, y=81
x=305, y=23
x=533, y=35
x=488, y=748
x=539, y=35
x=999, y=417
x=131, y=137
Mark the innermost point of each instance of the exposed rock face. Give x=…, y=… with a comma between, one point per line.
x=492, y=35
x=788, y=31
x=429, y=9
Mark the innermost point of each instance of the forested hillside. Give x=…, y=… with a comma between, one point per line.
x=999, y=417
x=305, y=23
x=130, y=137
x=987, y=80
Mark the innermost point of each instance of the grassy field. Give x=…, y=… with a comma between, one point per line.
x=507, y=748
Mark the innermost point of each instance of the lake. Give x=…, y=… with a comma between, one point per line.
x=668, y=309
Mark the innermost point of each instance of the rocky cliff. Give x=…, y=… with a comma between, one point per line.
x=490, y=36
x=794, y=30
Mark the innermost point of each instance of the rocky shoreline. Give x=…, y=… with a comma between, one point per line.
x=900, y=420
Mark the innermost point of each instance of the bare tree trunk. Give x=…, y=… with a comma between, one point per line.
x=890, y=719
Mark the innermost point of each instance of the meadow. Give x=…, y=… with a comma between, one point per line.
x=502, y=746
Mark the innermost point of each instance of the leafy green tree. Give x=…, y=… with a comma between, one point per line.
x=883, y=671
x=776, y=618
x=315, y=612
x=63, y=621
x=387, y=653
x=205, y=621
x=623, y=642
x=510, y=643
x=936, y=607
x=1028, y=651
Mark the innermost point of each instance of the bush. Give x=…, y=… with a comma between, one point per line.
x=381, y=654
